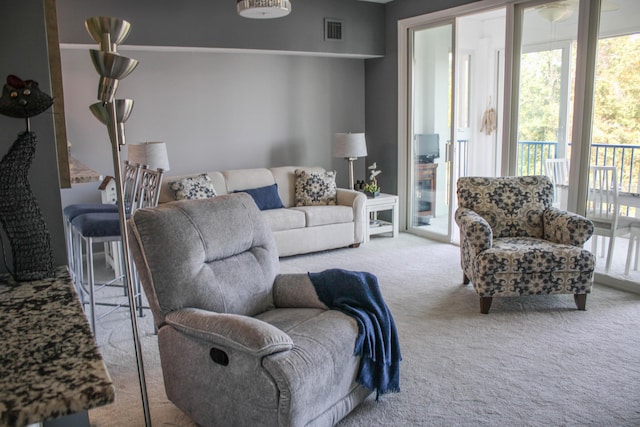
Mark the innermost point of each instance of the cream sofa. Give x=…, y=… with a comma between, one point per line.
x=296, y=230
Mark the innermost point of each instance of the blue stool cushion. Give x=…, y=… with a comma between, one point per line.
x=98, y=224
x=72, y=211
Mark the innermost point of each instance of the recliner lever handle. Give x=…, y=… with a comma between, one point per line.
x=218, y=356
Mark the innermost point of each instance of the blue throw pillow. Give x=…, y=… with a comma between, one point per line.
x=265, y=197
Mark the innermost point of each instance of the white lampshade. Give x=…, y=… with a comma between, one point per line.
x=350, y=145
x=152, y=154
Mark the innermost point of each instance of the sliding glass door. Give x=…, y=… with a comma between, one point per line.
x=566, y=86
x=545, y=87
x=430, y=132
x=453, y=127
x=615, y=136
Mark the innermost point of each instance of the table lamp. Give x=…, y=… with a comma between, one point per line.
x=350, y=146
x=152, y=154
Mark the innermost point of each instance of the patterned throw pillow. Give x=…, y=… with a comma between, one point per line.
x=315, y=188
x=193, y=187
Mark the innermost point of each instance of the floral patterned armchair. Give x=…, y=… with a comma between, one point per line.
x=513, y=242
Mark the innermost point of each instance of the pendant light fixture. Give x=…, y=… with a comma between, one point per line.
x=263, y=9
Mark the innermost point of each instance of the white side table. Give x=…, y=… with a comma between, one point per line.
x=383, y=202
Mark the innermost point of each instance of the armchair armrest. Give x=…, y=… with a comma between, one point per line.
x=476, y=234
x=242, y=333
x=566, y=228
x=358, y=201
x=295, y=291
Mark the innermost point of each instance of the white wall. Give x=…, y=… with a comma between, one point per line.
x=219, y=110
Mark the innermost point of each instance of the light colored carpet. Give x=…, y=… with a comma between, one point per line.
x=532, y=361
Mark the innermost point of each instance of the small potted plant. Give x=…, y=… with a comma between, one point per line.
x=371, y=188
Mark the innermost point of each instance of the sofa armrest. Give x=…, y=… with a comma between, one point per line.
x=295, y=291
x=242, y=333
x=358, y=201
x=566, y=228
x=476, y=234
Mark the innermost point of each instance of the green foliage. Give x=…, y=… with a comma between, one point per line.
x=617, y=111
x=540, y=78
x=616, y=118
x=616, y=108
x=371, y=187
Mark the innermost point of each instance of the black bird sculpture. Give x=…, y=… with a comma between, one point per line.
x=20, y=213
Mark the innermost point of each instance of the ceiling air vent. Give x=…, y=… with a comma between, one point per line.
x=332, y=29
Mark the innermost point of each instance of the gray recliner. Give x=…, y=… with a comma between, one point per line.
x=240, y=344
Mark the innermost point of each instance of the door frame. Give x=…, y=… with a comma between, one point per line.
x=583, y=103
x=586, y=52
x=405, y=160
x=409, y=165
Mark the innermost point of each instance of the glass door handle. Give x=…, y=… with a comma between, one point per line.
x=448, y=152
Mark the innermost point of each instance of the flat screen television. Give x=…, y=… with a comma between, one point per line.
x=427, y=147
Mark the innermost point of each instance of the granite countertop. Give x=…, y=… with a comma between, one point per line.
x=81, y=173
x=50, y=365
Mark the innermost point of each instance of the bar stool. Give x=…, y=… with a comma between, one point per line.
x=70, y=212
x=104, y=227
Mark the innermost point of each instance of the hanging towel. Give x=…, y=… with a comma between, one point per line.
x=488, y=121
x=357, y=294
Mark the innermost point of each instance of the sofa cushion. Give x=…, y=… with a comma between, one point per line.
x=285, y=177
x=315, y=188
x=193, y=187
x=239, y=179
x=323, y=215
x=199, y=269
x=265, y=197
x=512, y=207
x=321, y=366
x=505, y=265
x=284, y=219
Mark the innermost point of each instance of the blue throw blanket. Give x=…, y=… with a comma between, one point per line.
x=358, y=295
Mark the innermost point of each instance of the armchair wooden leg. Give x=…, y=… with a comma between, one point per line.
x=485, y=304
x=581, y=301
x=465, y=279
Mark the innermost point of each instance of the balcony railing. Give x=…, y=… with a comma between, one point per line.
x=626, y=159
x=532, y=154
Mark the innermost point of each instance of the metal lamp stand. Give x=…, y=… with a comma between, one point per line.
x=110, y=32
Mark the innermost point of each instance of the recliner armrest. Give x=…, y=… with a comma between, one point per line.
x=242, y=333
x=295, y=291
x=475, y=232
x=565, y=227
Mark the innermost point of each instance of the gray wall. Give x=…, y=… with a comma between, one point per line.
x=313, y=96
x=211, y=86
x=219, y=111
x=23, y=52
x=215, y=23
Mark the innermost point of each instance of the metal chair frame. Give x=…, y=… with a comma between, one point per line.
x=130, y=182
x=558, y=172
x=603, y=209
x=145, y=194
